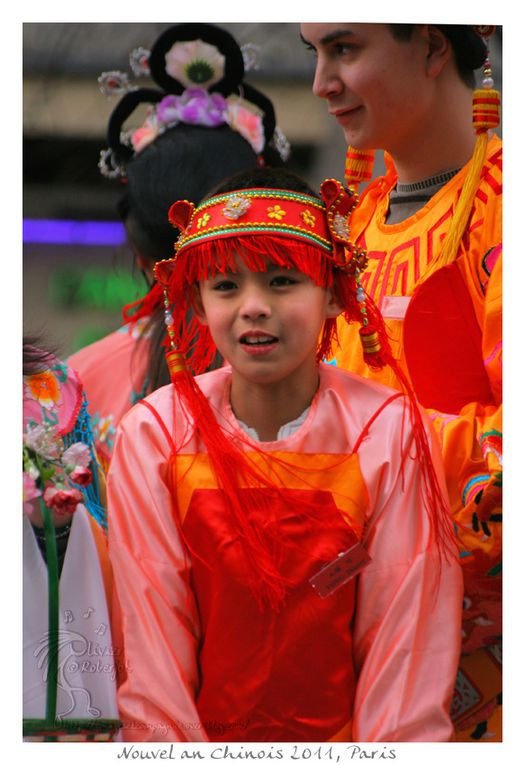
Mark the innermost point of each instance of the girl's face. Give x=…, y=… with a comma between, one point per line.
x=266, y=324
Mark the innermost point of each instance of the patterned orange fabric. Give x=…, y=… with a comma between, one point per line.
x=471, y=437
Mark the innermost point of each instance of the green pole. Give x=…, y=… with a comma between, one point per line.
x=52, y=578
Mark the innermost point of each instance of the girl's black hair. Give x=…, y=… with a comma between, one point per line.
x=35, y=358
x=265, y=178
x=183, y=163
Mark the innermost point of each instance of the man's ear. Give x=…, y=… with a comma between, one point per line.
x=196, y=302
x=333, y=308
x=439, y=49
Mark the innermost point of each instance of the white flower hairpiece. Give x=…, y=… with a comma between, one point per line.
x=195, y=64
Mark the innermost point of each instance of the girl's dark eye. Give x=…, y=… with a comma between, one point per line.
x=224, y=286
x=282, y=281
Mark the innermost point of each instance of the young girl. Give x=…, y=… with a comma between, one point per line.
x=282, y=553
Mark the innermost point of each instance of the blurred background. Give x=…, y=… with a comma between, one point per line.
x=77, y=270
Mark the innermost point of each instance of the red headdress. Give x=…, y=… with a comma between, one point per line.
x=300, y=231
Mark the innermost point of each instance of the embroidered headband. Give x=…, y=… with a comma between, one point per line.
x=324, y=222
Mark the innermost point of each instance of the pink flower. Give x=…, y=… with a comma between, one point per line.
x=62, y=501
x=77, y=455
x=195, y=63
x=42, y=440
x=81, y=475
x=247, y=122
x=31, y=491
x=144, y=135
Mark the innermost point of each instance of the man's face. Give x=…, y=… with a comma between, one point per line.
x=375, y=86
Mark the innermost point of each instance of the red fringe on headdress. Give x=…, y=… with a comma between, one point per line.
x=262, y=544
x=208, y=258
x=232, y=470
x=144, y=306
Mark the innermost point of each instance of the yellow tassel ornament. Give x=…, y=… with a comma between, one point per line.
x=485, y=116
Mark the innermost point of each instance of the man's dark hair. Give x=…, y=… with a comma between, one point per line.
x=469, y=48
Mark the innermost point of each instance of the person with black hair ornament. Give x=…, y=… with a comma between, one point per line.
x=253, y=507
x=205, y=123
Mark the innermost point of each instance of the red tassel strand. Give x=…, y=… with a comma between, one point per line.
x=145, y=306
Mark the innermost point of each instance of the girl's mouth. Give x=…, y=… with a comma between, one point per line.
x=258, y=344
x=259, y=340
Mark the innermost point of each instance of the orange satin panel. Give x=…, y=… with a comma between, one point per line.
x=295, y=471
x=232, y=623
x=252, y=660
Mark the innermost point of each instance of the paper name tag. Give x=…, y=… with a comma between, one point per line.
x=395, y=306
x=341, y=570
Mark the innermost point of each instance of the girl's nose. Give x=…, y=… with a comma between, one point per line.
x=255, y=304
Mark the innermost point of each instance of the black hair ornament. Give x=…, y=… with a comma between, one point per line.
x=199, y=69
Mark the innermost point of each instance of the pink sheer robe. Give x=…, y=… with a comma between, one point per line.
x=113, y=372
x=374, y=661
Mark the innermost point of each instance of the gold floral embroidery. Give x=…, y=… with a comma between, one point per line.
x=203, y=220
x=308, y=218
x=276, y=212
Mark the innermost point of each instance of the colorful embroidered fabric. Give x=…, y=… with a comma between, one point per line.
x=55, y=397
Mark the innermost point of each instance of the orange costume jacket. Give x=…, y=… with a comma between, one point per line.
x=448, y=335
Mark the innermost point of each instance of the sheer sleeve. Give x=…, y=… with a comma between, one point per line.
x=408, y=619
x=159, y=619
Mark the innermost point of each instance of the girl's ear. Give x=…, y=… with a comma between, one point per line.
x=333, y=308
x=197, y=305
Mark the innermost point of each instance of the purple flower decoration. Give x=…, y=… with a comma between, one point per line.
x=198, y=107
x=168, y=110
